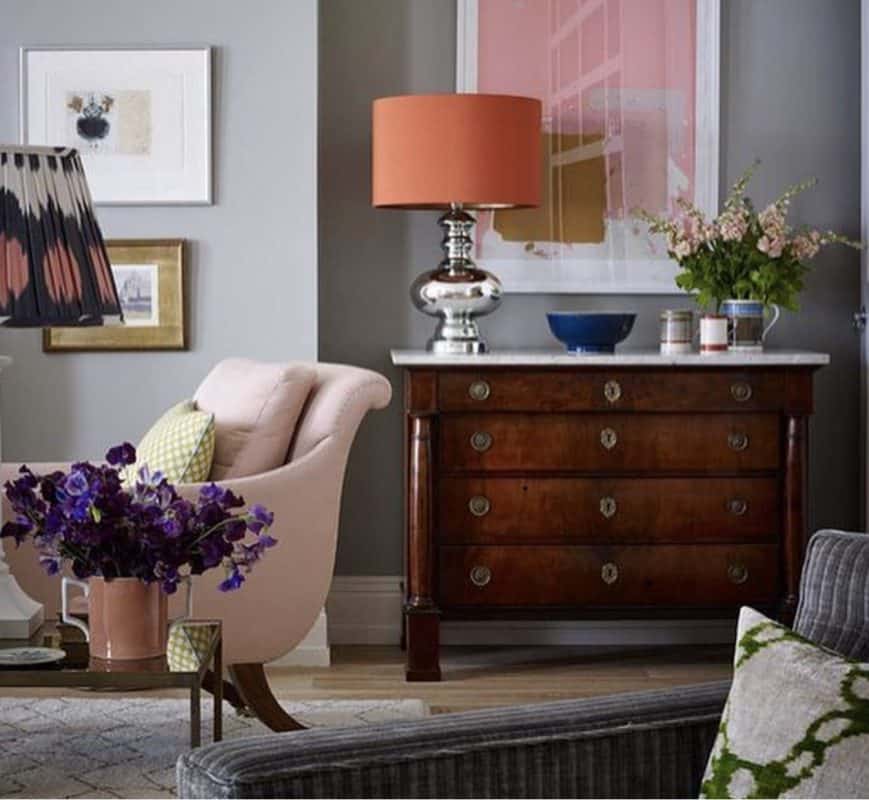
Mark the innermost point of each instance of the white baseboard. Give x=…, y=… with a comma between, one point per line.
x=366, y=609
x=312, y=651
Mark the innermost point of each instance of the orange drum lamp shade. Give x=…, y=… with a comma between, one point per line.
x=456, y=152
x=477, y=150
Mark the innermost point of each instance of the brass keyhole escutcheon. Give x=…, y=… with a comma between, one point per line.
x=740, y=391
x=479, y=390
x=481, y=441
x=608, y=506
x=479, y=506
x=480, y=576
x=612, y=391
x=608, y=438
x=737, y=506
x=737, y=441
x=737, y=573
x=609, y=573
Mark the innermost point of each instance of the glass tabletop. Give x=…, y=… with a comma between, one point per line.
x=190, y=652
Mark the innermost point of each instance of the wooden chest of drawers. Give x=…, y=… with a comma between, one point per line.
x=622, y=486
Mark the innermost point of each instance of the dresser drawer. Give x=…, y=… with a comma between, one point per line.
x=504, y=510
x=609, y=442
x=603, y=390
x=668, y=575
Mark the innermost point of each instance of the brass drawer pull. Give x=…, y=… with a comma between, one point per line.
x=737, y=441
x=608, y=507
x=741, y=391
x=480, y=576
x=479, y=390
x=481, y=441
x=737, y=573
x=479, y=506
x=612, y=391
x=737, y=506
x=609, y=573
x=608, y=438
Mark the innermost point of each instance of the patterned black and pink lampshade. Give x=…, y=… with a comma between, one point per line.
x=54, y=269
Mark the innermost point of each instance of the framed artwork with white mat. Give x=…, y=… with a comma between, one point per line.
x=630, y=93
x=141, y=118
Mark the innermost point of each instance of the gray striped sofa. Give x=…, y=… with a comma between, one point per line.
x=645, y=744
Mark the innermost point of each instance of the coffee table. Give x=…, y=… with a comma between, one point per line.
x=79, y=670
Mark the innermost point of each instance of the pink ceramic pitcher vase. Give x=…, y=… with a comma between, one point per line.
x=128, y=619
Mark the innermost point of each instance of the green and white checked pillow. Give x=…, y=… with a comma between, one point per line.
x=188, y=645
x=180, y=445
x=796, y=723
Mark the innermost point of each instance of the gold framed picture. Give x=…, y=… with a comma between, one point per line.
x=149, y=274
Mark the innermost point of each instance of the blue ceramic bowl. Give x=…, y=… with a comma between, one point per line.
x=592, y=332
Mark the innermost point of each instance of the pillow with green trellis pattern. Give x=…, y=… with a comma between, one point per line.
x=796, y=723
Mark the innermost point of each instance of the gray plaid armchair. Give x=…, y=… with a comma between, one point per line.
x=645, y=744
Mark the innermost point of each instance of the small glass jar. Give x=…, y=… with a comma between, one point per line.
x=676, y=331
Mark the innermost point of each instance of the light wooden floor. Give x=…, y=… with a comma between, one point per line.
x=485, y=677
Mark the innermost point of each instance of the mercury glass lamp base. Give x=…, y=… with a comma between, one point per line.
x=456, y=292
x=457, y=347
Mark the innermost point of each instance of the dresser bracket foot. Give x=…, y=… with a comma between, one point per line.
x=422, y=626
x=420, y=676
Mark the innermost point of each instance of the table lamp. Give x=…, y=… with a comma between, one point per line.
x=456, y=152
x=54, y=270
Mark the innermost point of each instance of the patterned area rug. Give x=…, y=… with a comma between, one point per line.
x=64, y=747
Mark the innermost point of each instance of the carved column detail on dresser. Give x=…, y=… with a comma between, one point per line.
x=795, y=511
x=627, y=486
x=422, y=618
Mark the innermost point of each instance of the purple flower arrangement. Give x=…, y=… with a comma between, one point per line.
x=89, y=518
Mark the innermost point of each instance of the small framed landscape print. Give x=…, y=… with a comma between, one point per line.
x=149, y=274
x=141, y=118
x=139, y=292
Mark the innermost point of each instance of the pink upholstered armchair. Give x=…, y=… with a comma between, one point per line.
x=277, y=606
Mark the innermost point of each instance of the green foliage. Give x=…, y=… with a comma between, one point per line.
x=738, y=270
x=742, y=254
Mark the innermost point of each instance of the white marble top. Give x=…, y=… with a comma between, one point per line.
x=621, y=358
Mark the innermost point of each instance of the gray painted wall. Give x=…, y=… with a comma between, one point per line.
x=791, y=89
x=252, y=287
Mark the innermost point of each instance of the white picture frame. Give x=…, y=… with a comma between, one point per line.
x=140, y=117
x=525, y=274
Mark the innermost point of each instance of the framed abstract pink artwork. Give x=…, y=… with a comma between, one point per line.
x=630, y=93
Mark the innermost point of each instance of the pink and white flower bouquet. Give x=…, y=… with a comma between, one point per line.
x=742, y=254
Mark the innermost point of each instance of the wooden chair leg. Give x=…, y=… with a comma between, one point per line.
x=230, y=693
x=253, y=686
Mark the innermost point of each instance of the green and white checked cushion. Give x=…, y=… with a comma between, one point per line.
x=180, y=445
x=796, y=723
x=188, y=645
